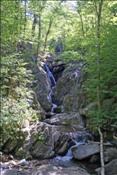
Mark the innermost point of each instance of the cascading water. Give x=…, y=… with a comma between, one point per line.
x=69, y=155
x=50, y=75
x=78, y=138
x=53, y=81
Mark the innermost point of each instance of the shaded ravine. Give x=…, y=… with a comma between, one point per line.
x=67, y=160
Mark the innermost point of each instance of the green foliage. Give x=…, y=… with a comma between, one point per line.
x=102, y=118
x=77, y=28
x=102, y=72
x=40, y=138
x=11, y=24
x=16, y=95
x=68, y=56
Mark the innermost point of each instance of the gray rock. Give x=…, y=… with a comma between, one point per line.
x=23, y=162
x=110, y=154
x=16, y=172
x=4, y=166
x=71, y=119
x=57, y=170
x=110, y=168
x=43, y=88
x=46, y=140
x=84, y=151
x=95, y=158
x=68, y=91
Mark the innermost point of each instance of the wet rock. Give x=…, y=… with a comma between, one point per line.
x=85, y=151
x=4, y=166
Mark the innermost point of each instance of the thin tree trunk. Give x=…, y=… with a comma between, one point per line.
x=82, y=25
x=98, y=10
x=48, y=31
x=34, y=25
x=21, y=23
x=101, y=152
x=39, y=37
x=25, y=17
x=81, y=20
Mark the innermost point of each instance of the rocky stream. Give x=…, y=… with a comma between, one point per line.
x=61, y=142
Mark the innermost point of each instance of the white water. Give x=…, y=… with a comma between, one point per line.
x=69, y=155
x=53, y=84
x=50, y=75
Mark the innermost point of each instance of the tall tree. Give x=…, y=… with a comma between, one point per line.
x=79, y=10
x=48, y=31
x=34, y=25
x=25, y=18
x=98, y=11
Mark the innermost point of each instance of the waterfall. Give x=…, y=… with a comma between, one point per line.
x=50, y=75
x=69, y=155
x=53, y=81
x=78, y=138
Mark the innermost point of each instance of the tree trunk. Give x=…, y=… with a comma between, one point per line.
x=34, y=25
x=39, y=37
x=25, y=17
x=80, y=15
x=98, y=11
x=48, y=31
x=101, y=152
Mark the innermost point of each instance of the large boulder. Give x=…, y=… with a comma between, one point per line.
x=85, y=151
x=72, y=120
x=39, y=143
x=68, y=91
x=43, y=88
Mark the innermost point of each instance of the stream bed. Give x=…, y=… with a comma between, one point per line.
x=24, y=167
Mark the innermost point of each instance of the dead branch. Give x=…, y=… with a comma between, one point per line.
x=114, y=137
x=105, y=144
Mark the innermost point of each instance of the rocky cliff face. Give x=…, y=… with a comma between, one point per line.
x=68, y=92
